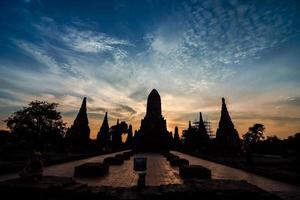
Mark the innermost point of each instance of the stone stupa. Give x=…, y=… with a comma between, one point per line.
x=227, y=137
x=153, y=133
x=78, y=136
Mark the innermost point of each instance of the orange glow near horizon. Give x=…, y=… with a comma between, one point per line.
x=174, y=111
x=242, y=126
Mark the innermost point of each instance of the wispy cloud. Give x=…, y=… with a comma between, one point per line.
x=193, y=56
x=39, y=55
x=94, y=42
x=229, y=32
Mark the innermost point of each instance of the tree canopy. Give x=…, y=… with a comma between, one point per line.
x=254, y=134
x=38, y=123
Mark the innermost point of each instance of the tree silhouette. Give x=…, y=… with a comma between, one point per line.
x=293, y=143
x=254, y=135
x=39, y=124
x=271, y=145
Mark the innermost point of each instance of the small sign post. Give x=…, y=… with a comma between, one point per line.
x=140, y=166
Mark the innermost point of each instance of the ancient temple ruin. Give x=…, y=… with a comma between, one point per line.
x=78, y=136
x=103, y=136
x=202, y=135
x=129, y=138
x=153, y=133
x=227, y=137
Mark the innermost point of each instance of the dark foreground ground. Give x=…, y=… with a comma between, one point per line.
x=14, y=162
x=52, y=187
x=275, y=167
x=160, y=172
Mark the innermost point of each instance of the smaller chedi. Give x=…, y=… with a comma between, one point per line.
x=227, y=137
x=103, y=136
x=153, y=134
x=202, y=136
x=78, y=136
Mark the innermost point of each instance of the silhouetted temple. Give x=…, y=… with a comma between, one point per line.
x=129, y=137
x=103, y=137
x=202, y=137
x=153, y=134
x=116, y=132
x=176, y=140
x=227, y=137
x=78, y=135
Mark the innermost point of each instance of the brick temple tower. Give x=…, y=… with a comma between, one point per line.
x=153, y=133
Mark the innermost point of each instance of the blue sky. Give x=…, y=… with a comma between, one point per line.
x=194, y=52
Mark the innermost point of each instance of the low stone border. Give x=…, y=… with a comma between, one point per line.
x=194, y=171
x=91, y=170
x=113, y=161
x=178, y=162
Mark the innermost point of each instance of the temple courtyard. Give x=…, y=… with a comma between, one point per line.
x=160, y=172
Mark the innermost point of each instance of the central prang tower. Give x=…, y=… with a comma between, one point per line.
x=153, y=134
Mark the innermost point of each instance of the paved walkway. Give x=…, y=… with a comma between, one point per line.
x=64, y=169
x=160, y=172
x=219, y=171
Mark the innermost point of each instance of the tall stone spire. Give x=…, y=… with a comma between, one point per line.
x=153, y=104
x=201, y=128
x=190, y=125
x=225, y=120
x=227, y=137
x=189, y=137
x=103, y=137
x=79, y=133
x=82, y=118
x=176, y=138
x=202, y=136
x=153, y=134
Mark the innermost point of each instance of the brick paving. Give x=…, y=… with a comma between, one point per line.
x=159, y=172
x=282, y=189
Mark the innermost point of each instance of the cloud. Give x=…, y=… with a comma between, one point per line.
x=194, y=55
x=230, y=32
x=93, y=42
x=288, y=101
x=97, y=109
x=127, y=109
x=38, y=54
x=139, y=95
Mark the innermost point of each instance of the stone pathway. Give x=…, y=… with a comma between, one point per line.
x=219, y=171
x=159, y=172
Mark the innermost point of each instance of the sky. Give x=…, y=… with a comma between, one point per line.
x=193, y=52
